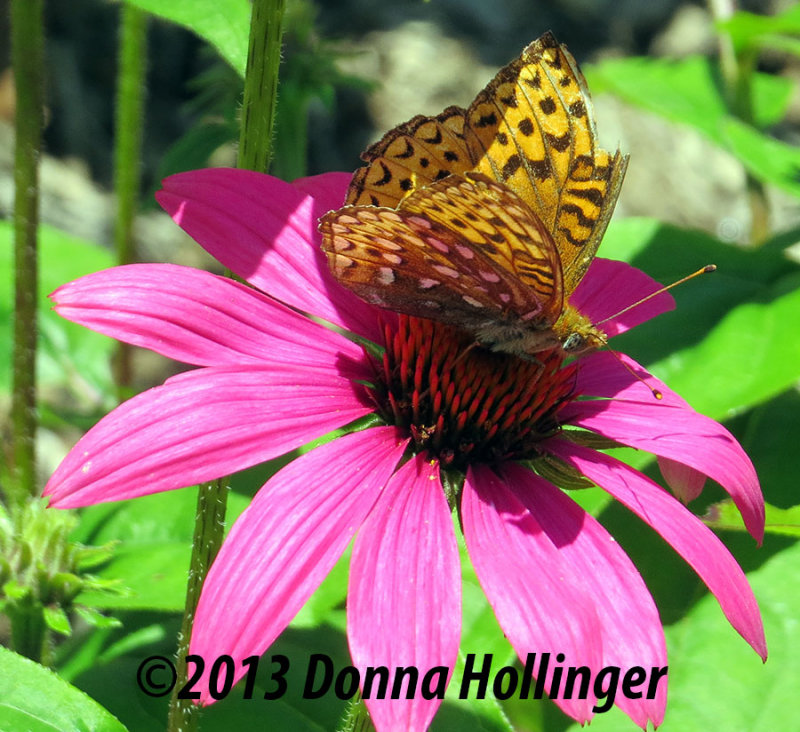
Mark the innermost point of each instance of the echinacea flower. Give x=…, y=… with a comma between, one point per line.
x=272, y=379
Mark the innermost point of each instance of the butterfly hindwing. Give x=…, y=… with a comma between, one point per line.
x=416, y=153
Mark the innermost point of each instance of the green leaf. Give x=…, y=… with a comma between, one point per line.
x=154, y=575
x=224, y=24
x=748, y=29
x=772, y=434
x=725, y=348
x=745, y=359
x=716, y=681
x=57, y=620
x=34, y=699
x=152, y=557
x=194, y=149
x=716, y=678
x=688, y=91
x=765, y=157
x=96, y=619
x=725, y=516
x=69, y=355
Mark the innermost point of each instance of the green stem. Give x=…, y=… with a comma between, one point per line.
x=127, y=153
x=737, y=75
x=27, y=58
x=208, y=532
x=261, y=85
x=29, y=635
x=356, y=717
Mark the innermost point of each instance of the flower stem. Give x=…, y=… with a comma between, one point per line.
x=356, y=717
x=208, y=530
x=255, y=143
x=127, y=152
x=261, y=85
x=27, y=54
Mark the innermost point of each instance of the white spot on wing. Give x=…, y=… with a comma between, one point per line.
x=385, y=276
x=419, y=221
x=387, y=243
x=438, y=244
x=531, y=314
x=446, y=271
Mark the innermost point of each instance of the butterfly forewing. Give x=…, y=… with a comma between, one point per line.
x=462, y=251
x=585, y=209
x=523, y=128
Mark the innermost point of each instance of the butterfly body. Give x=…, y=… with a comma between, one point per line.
x=486, y=218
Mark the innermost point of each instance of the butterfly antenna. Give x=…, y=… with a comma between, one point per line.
x=655, y=392
x=702, y=270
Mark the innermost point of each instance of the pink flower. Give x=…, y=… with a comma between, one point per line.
x=271, y=379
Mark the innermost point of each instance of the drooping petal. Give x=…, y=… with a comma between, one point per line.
x=285, y=543
x=679, y=434
x=265, y=230
x=201, y=319
x=201, y=425
x=689, y=536
x=685, y=482
x=528, y=582
x=327, y=189
x=404, y=598
x=631, y=629
x=610, y=286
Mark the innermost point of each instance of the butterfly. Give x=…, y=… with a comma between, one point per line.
x=486, y=218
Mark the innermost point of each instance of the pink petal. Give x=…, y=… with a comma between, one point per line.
x=199, y=318
x=600, y=374
x=631, y=629
x=327, y=189
x=685, y=482
x=201, y=425
x=265, y=230
x=610, y=286
x=523, y=575
x=689, y=536
x=683, y=435
x=285, y=543
x=404, y=599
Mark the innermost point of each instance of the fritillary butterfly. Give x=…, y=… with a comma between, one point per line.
x=486, y=218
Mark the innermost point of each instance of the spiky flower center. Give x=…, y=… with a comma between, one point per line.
x=465, y=404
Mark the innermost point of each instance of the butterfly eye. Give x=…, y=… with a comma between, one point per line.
x=574, y=343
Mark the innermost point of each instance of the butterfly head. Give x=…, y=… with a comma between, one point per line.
x=579, y=342
x=576, y=334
